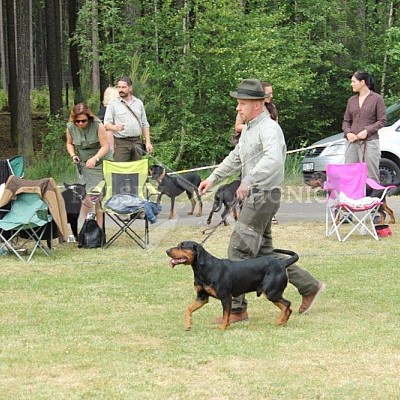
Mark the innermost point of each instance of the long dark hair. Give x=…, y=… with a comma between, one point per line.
x=273, y=112
x=366, y=77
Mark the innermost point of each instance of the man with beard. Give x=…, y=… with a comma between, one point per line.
x=126, y=117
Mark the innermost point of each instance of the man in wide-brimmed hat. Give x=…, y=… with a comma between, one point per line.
x=260, y=158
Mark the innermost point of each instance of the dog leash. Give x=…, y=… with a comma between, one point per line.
x=79, y=166
x=232, y=205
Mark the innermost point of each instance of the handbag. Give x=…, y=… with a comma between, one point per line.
x=91, y=235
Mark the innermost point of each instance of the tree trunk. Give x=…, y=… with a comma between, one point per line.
x=73, y=51
x=385, y=57
x=185, y=51
x=31, y=66
x=54, y=64
x=12, y=70
x=22, y=84
x=95, y=47
x=106, y=79
x=2, y=50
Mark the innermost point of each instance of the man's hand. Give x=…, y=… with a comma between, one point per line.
x=203, y=187
x=149, y=147
x=243, y=191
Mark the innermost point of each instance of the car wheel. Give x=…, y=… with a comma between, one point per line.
x=388, y=171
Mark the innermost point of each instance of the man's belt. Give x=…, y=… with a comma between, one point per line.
x=131, y=138
x=257, y=190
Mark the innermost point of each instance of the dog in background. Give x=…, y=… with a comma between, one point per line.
x=224, y=279
x=174, y=186
x=318, y=179
x=225, y=196
x=73, y=195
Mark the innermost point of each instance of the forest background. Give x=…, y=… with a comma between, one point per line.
x=184, y=57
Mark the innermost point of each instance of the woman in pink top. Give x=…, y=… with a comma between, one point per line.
x=365, y=114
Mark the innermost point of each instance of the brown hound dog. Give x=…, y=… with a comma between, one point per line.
x=318, y=179
x=224, y=279
x=174, y=186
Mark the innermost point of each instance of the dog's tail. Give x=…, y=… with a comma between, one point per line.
x=393, y=191
x=219, y=205
x=294, y=257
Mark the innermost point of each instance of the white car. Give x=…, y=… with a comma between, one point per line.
x=331, y=150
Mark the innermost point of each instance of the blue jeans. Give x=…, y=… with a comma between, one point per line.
x=151, y=210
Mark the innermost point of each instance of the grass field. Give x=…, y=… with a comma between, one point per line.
x=108, y=324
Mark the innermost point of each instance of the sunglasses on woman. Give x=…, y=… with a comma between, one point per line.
x=81, y=121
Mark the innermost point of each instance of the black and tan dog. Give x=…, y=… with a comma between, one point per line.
x=224, y=279
x=73, y=195
x=225, y=196
x=318, y=179
x=174, y=186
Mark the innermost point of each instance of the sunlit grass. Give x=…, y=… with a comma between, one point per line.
x=109, y=324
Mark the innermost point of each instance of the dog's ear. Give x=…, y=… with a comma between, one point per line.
x=83, y=189
x=200, y=253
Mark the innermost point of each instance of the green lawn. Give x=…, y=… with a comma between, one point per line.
x=108, y=324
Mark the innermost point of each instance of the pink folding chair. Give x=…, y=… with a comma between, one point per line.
x=347, y=204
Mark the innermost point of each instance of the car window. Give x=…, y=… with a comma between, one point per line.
x=393, y=113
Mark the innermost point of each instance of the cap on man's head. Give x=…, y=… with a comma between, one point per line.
x=125, y=79
x=249, y=89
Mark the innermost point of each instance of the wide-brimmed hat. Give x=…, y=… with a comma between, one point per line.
x=249, y=89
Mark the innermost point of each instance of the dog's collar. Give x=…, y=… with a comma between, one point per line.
x=79, y=195
x=162, y=176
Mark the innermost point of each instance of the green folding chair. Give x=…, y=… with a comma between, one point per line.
x=126, y=178
x=11, y=166
x=26, y=221
x=16, y=165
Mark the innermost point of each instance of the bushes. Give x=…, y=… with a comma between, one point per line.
x=52, y=160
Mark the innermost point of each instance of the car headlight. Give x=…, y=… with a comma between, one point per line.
x=336, y=149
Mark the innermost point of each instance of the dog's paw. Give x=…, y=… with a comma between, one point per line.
x=283, y=317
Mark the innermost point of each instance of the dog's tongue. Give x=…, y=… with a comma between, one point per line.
x=176, y=261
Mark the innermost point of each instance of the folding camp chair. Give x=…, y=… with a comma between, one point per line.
x=348, y=209
x=126, y=180
x=11, y=166
x=28, y=217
